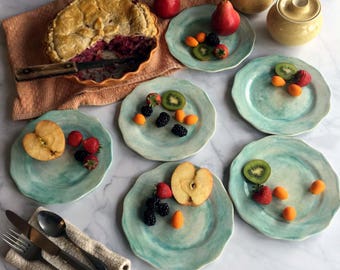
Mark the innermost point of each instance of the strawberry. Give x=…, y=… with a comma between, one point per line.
x=262, y=195
x=153, y=99
x=163, y=190
x=90, y=162
x=91, y=145
x=221, y=51
x=74, y=138
x=303, y=78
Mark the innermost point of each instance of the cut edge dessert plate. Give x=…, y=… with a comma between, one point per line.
x=63, y=179
x=206, y=230
x=197, y=19
x=271, y=109
x=294, y=165
x=160, y=144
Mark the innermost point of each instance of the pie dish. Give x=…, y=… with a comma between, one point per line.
x=63, y=179
x=89, y=30
x=294, y=165
x=159, y=143
x=197, y=19
x=207, y=228
x=271, y=109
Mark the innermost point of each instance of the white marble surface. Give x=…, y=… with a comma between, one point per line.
x=99, y=213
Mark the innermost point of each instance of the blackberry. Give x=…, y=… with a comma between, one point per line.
x=146, y=110
x=163, y=209
x=152, y=202
x=179, y=130
x=162, y=119
x=80, y=155
x=149, y=217
x=212, y=39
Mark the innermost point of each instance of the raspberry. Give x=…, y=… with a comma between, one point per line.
x=146, y=110
x=263, y=195
x=179, y=130
x=163, y=209
x=149, y=217
x=212, y=39
x=162, y=119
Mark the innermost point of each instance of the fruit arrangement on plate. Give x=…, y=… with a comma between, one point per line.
x=196, y=22
x=281, y=95
x=283, y=188
x=60, y=156
x=180, y=210
x=169, y=114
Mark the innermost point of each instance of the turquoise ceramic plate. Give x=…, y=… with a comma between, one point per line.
x=206, y=229
x=63, y=179
x=159, y=143
x=197, y=19
x=294, y=165
x=271, y=109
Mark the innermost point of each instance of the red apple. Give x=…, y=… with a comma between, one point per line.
x=167, y=8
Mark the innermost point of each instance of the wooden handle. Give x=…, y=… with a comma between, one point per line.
x=45, y=71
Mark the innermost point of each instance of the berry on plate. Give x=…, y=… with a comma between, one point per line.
x=221, y=51
x=91, y=145
x=74, y=138
x=90, y=162
x=263, y=195
x=163, y=190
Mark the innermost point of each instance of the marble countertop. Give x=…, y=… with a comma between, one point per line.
x=99, y=213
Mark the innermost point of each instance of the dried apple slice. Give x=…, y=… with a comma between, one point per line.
x=46, y=142
x=190, y=186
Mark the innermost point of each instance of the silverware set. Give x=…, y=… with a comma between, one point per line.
x=30, y=243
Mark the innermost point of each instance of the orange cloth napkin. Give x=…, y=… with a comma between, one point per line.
x=25, y=34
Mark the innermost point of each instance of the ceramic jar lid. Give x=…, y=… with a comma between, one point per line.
x=299, y=10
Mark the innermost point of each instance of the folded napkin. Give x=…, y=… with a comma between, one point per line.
x=24, y=36
x=113, y=260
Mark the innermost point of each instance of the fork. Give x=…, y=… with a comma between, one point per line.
x=24, y=247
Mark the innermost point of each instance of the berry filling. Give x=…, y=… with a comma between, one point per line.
x=137, y=47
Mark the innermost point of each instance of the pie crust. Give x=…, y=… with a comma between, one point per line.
x=83, y=23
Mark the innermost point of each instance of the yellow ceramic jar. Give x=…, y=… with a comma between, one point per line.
x=294, y=22
x=251, y=6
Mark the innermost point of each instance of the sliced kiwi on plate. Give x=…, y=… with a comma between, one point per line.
x=202, y=52
x=173, y=100
x=286, y=70
x=257, y=171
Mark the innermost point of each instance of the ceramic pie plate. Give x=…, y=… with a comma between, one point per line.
x=197, y=19
x=294, y=165
x=271, y=109
x=63, y=179
x=206, y=230
x=160, y=144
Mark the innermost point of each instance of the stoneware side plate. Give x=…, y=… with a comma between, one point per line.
x=294, y=165
x=197, y=19
x=63, y=179
x=271, y=109
x=206, y=230
x=156, y=143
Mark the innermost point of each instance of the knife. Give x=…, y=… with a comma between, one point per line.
x=66, y=68
x=42, y=241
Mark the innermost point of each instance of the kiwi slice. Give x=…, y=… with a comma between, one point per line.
x=257, y=171
x=173, y=100
x=286, y=70
x=202, y=52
